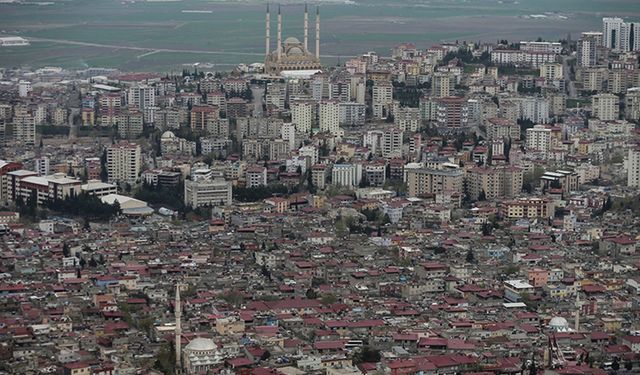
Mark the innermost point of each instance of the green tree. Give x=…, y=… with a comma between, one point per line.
x=311, y=294
x=366, y=355
x=328, y=299
x=470, y=257
x=104, y=175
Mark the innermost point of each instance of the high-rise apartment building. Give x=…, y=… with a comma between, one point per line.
x=330, y=116
x=142, y=97
x=392, y=143
x=441, y=84
x=633, y=167
x=24, y=125
x=124, y=161
x=421, y=181
x=588, y=48
x=382, y=99
x=538, y=139
x=605, y=107
x=302, y=115
x=620, y=36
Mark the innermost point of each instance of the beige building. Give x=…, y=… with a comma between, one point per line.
x=229, y=326
x=124, y=161
x=495, y=182
x=527, y=208
x=605, y=107
x=441, y=84
x=382, y=99
x=319, y=176
x=408, y=119
x=24, y=125
x=551, y=71
x=423, y=181
x=501, y=128
x=632, y=107
x=23, y=185
x=130, y=124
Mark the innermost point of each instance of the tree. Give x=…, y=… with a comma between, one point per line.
x=367, y=355
x=628, y=365
x=311, y=294
x=104, y=175
x=482, y=196
x=65, y=249
x=470, y=257
x=93, y=263
x=328, y=299
x=615, y=366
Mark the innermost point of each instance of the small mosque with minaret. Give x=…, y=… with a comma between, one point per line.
x=292, y=55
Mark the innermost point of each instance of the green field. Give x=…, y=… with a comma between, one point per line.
x=234, y=31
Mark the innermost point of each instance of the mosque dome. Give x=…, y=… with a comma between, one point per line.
x=295, y=51
x=291, y=40
x=201, y=345
x=559, y=324
x=168, y=134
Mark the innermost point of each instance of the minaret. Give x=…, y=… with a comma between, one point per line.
x=178, y=344
x=306, y=28
x=578, y=305
x=318, y=32
x=267, y=32
x=279, y=34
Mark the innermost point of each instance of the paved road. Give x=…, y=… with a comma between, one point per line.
x=571, y=86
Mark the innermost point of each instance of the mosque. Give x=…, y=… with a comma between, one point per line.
x=292, y=56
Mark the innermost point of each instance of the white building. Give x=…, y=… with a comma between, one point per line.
x=392, y=143
x=311, y=153
x=539, y=139
x=24, y=89
x=302, y=115
x=99, y=188
x=352, y=114
x=142, y=97
x=43, y=166
x=532, y=108
x=588, y=48
x=124, y=161
x=205, y=193
x=330, y=117
x=633, y=168
x=620, y=36
x=346, y=175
